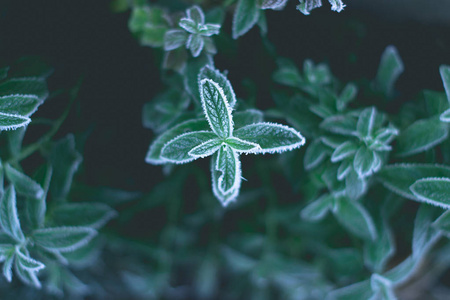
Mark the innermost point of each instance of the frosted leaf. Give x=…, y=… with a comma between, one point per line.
x=177, y=150
x=245, y=17
x=273, y=4
x=271, y=137
x=206, y=149
x=224, y=199
x=216, y=108
x=9, y=219
x=242, y=146
x=63, y=239
x=229, y=166
x=344, y=150
x=219, y=78
x=435, y=191
x=337, y=5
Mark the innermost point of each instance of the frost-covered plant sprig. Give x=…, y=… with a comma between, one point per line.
x=191, y=140
x=195, y=34
x=306, y=6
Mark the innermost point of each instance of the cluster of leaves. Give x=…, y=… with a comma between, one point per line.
x=351, y=149
x=43, y=235
x=188, y=140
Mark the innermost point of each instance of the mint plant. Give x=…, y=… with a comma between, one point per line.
x=223, y=142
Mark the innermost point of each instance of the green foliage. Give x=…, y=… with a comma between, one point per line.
x=223, y=142
x=331, y=221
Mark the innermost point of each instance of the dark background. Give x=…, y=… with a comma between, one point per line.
x=84, y=38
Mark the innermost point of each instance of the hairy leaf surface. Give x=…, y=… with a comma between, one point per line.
x=271, y=137
x=420, y=136
x=216, y=108
x=154, y=152
x=435, y=191
x=399, y=177
x=177, y=150
x=9, y=219
x=63, y=239
x=245, y=17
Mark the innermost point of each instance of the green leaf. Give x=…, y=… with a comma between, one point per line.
x=153, y=36
x=337, y=5
x=188, y=25
x=347, y=95
x=25, y=86
x=271, y=137
x=365, y=162
x=315, y=154
x=355, y=186
x=7, y=265
x=399, y=177
x=35, y=208
x=11, y=122
x=318, y=209
x=420, y=136
x=344, y=151
x=445, y=116
x=366, y=122
x=175, y=60
x=287, y=74
x=341, y=124
x=424, y=234
x=174, y=38
x=195, y=13
x=206, y=148
x=224, y=199
x=306, y=6
x=154, y=152
x=9, y=219
x=195, y=43
x=377, y=253
x=355, y=218
x=390, y=68
x=15, y=140
x=216, y=108
x=93, y=215
x=273, y=4
x=229, y=166
x=445, y=75
x=28, y=277
x=27, y=262
x=164, y=110
x=436, y=102
x=245, y=17
x=209, y=72
x=344, y=169
x=177, y=150
x=23, y=105
x=209, y=29
x=241, y=146
x=63, y=239
x=65, y=160
x=435, y=191
x=23, y=184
